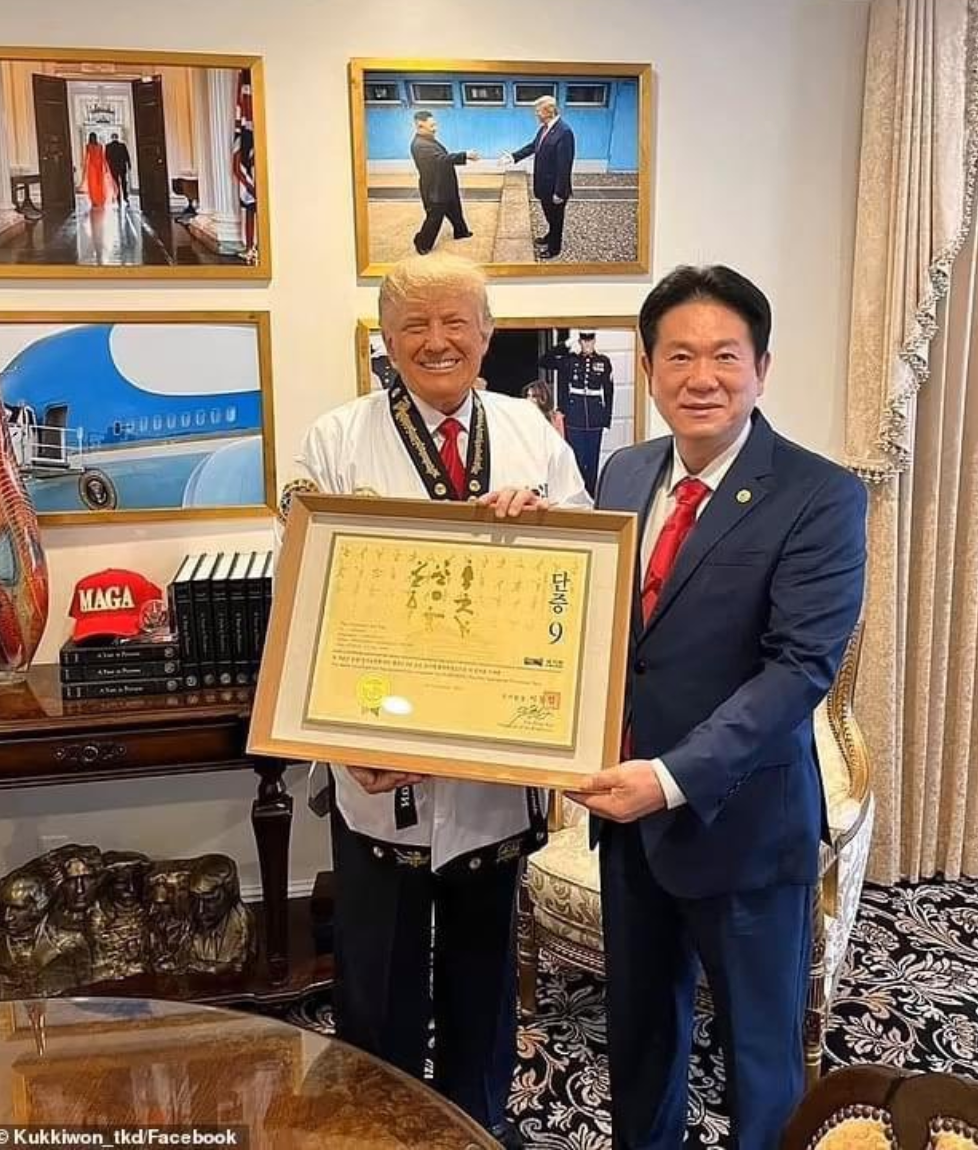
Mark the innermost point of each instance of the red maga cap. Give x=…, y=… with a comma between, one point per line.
x=116, y=603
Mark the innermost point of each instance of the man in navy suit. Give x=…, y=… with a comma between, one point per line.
x=751, y=579
x=552, y=149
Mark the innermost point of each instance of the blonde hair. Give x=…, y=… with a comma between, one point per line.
x=437, y=271
x=545, y=102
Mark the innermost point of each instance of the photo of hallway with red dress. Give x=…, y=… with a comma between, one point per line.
x=125, y=165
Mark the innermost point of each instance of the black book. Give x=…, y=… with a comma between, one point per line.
x=267, y=592
x=128, y=651
x=114, y=706
x=182, y=618
x=238, y=618
x=121, y=690
x=200, y=591
x=222, y=619
x=120, y=672
x=255, y=595
x=217, y=695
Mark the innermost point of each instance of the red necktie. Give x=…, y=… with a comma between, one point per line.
x=690, y=493
x=451, y=429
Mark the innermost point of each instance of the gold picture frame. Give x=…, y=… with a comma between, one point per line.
x=527, y=695
x=617, y=336
x=186, y=207
x=489, y=103
x=105, y=413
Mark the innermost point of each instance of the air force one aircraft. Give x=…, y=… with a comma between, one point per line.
x=137, y=416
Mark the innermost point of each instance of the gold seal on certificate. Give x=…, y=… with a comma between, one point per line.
x=455, y=638
x=432, y=637
x=372, y=690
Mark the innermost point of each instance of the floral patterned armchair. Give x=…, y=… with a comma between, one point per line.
x=560, y=899
x=881, y=1108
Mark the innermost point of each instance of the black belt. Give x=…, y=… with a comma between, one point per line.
x=492, y=854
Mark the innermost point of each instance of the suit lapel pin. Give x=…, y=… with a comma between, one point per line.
x=743, y=495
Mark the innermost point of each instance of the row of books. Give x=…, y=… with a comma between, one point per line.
x=159, y=697
x=121, y=668
x=219, y=606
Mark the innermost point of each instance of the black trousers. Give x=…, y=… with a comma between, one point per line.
x=386, y=991
x=424, y=241
x=121, y=181
x=554, y=214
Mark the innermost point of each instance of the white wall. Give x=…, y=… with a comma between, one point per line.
x=758, y=124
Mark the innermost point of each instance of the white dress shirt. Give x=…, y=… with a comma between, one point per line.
x=433, y=419
x=663, y=504
x=356, y=448
x=508, y=156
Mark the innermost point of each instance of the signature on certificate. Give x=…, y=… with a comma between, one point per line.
x=531, y=716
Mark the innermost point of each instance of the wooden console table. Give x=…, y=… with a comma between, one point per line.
x=20, y=190
x=45, y=740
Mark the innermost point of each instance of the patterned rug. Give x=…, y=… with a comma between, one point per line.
x=908, y=997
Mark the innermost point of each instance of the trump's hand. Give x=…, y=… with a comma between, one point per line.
x=513, y=501
x=506, y=159
x=472, y=156
x=378, y=782
x=623, y=793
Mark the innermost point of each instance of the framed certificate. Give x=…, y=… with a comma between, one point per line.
x=433, y=637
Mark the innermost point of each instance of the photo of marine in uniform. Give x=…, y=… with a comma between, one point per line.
x=585, y=379
x=585, y=398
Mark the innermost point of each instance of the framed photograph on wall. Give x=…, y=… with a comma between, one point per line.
x=528, y=168
x=584, y=372
x=132, y=164
x=434, y=637
x=140, y=415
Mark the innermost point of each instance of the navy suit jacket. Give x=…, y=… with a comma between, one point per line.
x=553, y=159
x=744, y=642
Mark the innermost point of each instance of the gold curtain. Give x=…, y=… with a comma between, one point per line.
x=912, y=431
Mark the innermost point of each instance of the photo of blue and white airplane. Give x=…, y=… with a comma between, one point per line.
x=137, y=415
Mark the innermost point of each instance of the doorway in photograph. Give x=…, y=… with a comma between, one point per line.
x=125, y=164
